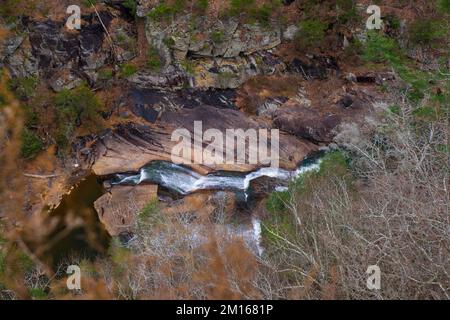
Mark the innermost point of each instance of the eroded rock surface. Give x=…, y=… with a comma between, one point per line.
x=306, y=123
x=128, y=147
x=118, y=208
x=65, y=58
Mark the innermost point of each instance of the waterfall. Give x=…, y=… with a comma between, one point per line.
x=184, y=180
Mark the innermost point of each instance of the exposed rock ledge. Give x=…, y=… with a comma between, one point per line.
x=118, y=208
x=128, y=147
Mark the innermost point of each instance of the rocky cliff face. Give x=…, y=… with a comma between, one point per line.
x=65, y=58
x=225, y=72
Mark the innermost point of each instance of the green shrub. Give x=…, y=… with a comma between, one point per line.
x=276, y=202
x=89, y=3
x=252, y=12
x=149, y=209
x=169, y=42
x=261, y=14
x=80, y=103
x=224, y=77
x=354, y=50
x=74, y=107
x=393, y=21
x=2, y=254
x=164, y=10
x=2, y=100
x=24, y=88
x=154, y=62
x=311, y=33
x=188, y=66
x=444, y=6
x=427, y=32
x=279, y=204
x=201, y=5
x=62, y=135
x=238, y=7
x=2, y=263
x=394, y=109
x=127, y=70
x=379, y=48
x=161, y=11
x=346, y=10
x=105, y=74
x=119, y=256
x=9, y=10
x=333, y=163
x=31, y=144
x=278, y=223
x=426, y=113
x=217, y=36
x=31, y=117
x=37, y=293
x=131, y=5
x=126, y=42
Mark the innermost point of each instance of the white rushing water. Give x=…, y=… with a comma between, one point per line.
x=185, y=181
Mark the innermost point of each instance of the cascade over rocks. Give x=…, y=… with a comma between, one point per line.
x=205, y=63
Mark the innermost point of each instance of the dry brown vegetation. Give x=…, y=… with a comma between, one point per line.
x=388, y=205
x=257, y=89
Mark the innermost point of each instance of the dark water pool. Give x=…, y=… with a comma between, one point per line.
x=88, y=239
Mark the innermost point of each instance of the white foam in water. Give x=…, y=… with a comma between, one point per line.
x=312, y=167
x=185, y=181
x=257, y=234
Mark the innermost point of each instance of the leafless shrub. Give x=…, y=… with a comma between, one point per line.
x=175, y=258
x=391, y=209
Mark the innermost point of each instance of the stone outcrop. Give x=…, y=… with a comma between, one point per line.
x=128, y=147
x=169, y=78
x=314, y=67
x=118, y=208
x=315, y=116
x=232, y=73
x=224, y=38
x=65, y=58
x=221, y=53
x=306, y=123
x=18, y=58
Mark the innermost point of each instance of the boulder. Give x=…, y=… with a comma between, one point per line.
x=169, y=78
x=225, y=38
x=221, y=53
x=260, y=188
x=66, y=58
x=314, y=67
x=19, y=59
x=119, y=208
x=206, y=206
x=306, y=122
x=233, y=72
